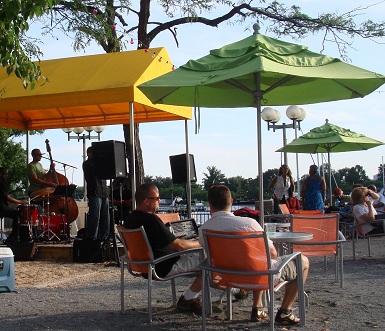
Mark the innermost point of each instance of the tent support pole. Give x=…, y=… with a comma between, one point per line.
x=132, y=155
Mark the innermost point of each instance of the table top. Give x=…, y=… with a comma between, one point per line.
x=289, y=237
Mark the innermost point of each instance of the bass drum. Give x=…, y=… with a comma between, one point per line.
x=65, y=206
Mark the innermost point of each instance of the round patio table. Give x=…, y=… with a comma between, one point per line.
x=280, y=238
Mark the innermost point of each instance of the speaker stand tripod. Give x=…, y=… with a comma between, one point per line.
x=112, y=227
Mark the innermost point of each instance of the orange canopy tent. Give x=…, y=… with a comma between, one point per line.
x=87, y=91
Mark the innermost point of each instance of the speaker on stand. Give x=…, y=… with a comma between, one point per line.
x=179, y=169
x=179, y=174
x=110, y=162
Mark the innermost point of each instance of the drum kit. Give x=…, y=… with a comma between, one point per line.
x=47, y=215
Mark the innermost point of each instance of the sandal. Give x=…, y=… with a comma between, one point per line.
x=286, y=318
x=259, y=315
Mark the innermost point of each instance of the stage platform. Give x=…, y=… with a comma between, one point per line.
x=59, y=250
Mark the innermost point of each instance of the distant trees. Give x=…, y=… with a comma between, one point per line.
x=213, y=176
x=246, y=189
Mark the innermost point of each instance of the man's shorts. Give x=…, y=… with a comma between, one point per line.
x=186, y=262
x=289, y=271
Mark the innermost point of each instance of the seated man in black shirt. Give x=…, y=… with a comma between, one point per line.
x=163, y=242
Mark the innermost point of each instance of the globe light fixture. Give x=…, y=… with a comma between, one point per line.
x=296, y=115
x=80, y=136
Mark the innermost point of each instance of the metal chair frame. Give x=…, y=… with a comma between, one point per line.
x=336, y=246
x=250, y=239
x=145, y=268
x=357, y=235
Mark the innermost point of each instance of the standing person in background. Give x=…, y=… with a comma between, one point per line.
x=313, y=190
x=281, y=187
x=36, y=173
x=98, y=220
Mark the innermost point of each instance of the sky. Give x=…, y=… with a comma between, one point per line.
x=227, y=137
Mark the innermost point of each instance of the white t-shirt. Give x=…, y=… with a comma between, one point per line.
x=227, y=221
x=359, y=211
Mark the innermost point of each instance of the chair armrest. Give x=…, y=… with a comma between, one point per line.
x=179, y=253
x=204, y=266
x=341, y=237
x=287, y=259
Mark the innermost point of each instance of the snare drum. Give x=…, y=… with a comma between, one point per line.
x=28, y=215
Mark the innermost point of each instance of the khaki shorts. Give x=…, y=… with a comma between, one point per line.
x=289, y=272
x=187, y=262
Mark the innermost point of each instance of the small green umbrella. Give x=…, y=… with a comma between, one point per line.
x=330, y=138
x=260, y=70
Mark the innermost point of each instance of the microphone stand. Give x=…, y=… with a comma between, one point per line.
x=64, y=164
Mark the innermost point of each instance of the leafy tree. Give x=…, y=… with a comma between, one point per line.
x=112, y=23
x=235, y=185
x=12, y=156
x=16, y=49
x=213, y=176
x=268, y=176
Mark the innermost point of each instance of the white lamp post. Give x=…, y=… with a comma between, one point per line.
x=296, y=115
x=79, y=136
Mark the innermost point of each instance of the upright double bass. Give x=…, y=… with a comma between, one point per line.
x=63, y=205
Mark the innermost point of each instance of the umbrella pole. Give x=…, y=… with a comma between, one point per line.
x=330, y=178
x=258, y=99
x=188, y=182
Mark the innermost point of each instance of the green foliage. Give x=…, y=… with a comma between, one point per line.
x=247, y=189
x=213, y=176
x=15, y=49
x=12, y=156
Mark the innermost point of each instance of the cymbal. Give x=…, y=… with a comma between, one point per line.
x=43, y=192
x=46, y=198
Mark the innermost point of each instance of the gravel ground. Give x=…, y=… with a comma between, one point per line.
x=53, y=295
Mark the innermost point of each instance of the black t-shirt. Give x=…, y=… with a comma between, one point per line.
x=158, y=235
x=95, y=187
x=3, y=195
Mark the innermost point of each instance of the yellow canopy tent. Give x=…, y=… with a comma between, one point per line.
x=87, y=91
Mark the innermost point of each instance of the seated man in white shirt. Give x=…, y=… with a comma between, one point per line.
x=222, y=219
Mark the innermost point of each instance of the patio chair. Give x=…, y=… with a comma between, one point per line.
x=140, y=262
x=169, y=217
x=242, y=260
x=357, y=234
x=327, y=240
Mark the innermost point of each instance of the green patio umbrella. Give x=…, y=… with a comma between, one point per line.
x=330, y=138
x=260, y=70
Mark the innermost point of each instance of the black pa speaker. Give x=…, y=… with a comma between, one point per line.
x=179, y=169
x=109, y=159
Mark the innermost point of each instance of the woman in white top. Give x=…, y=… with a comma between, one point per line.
x=364, y=211
x=281, y=187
